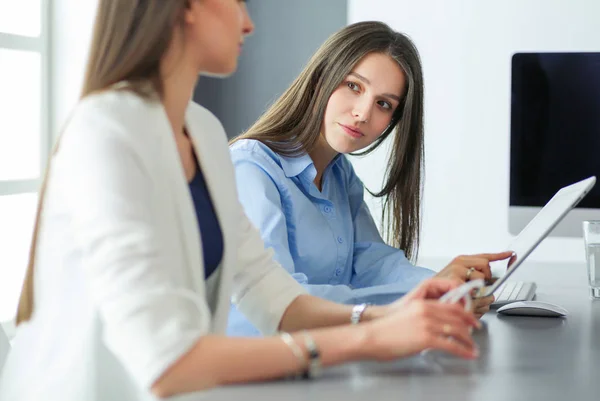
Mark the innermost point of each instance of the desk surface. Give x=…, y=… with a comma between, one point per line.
x=522, y=358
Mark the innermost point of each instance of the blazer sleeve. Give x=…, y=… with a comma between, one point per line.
x=263, y=290
x=150, y=316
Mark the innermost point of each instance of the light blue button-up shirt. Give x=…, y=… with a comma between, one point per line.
x=327, y=240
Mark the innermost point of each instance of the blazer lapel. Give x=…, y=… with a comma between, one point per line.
x=214, y=160
x=184, y=204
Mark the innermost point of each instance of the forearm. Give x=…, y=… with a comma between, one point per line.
x=373, y=269
x=216, y=360
x=309, y=312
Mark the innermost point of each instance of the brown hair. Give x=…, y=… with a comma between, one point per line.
x=129, y=40
x=292, y=125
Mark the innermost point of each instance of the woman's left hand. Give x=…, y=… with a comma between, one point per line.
x=430, y=289
x=482, y=305
x=435, y=288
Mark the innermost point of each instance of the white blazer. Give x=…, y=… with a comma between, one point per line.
x=119, y=280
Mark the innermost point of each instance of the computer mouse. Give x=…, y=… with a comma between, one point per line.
x=532, y=308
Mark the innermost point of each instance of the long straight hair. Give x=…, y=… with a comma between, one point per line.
x=129, y=40
x=292, y=125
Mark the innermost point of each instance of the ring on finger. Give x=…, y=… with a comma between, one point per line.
x=469, y=272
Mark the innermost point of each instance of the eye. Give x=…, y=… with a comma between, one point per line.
x=353, y=86
x=385, y=105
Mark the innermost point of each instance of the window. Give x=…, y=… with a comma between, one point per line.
x=24, y=136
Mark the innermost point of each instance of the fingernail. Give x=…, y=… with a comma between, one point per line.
x=476, y=352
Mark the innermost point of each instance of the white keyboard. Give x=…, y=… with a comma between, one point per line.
x=513, y=291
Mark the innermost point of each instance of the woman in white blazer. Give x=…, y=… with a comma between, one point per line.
x=116, y=305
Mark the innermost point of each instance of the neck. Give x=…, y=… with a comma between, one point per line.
x=321, y=156
x=178, y=84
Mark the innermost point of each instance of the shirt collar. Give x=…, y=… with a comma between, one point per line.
x=294, y=166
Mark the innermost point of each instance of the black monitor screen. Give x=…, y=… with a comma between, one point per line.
x=555, y=125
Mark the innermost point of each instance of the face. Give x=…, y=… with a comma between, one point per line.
x=361, y=108
x=215, y=32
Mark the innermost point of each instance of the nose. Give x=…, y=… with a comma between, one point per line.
x=362, y=110
x=247, y=23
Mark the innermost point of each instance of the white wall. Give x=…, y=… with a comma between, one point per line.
x=71, y=30
x=466, y=47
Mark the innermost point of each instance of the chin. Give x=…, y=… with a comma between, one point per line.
x=219, y=73
x=221, y=70
x=345, y=147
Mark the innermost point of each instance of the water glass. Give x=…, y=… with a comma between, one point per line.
x=591, y=238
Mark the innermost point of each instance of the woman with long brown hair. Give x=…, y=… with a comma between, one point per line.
x=363, y=86
x=140, y=241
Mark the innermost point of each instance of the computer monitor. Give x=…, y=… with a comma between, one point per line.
x=555, y=134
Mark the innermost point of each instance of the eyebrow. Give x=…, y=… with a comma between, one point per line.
x=364, y=79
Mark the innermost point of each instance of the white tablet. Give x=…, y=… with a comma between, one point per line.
x=541, y=225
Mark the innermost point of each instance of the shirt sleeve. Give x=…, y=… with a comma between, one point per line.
x=261, y=200
x=375, y=263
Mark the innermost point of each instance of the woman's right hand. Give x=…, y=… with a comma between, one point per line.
x=473, y=267
x=419, y=322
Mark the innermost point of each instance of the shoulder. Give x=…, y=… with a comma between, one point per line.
x=112, y=128
x=115, y=113
x=120, y=105
x=347, y=171
x=255, y=152
x=353, y=185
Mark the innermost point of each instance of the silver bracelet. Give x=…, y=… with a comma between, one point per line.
x=357, y=312
x=295, y=348
x=314, y=357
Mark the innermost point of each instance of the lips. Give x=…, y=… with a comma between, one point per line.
x=353, y=132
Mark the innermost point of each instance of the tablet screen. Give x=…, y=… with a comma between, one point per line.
x=541, y=225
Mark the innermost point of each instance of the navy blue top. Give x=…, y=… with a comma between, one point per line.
x=212, y=237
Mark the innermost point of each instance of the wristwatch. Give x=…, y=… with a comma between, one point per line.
x=357, y=312
x=314, y=357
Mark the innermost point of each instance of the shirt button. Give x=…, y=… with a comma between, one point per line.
x=338, y=272
x=340, y=240
x=327, y=209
